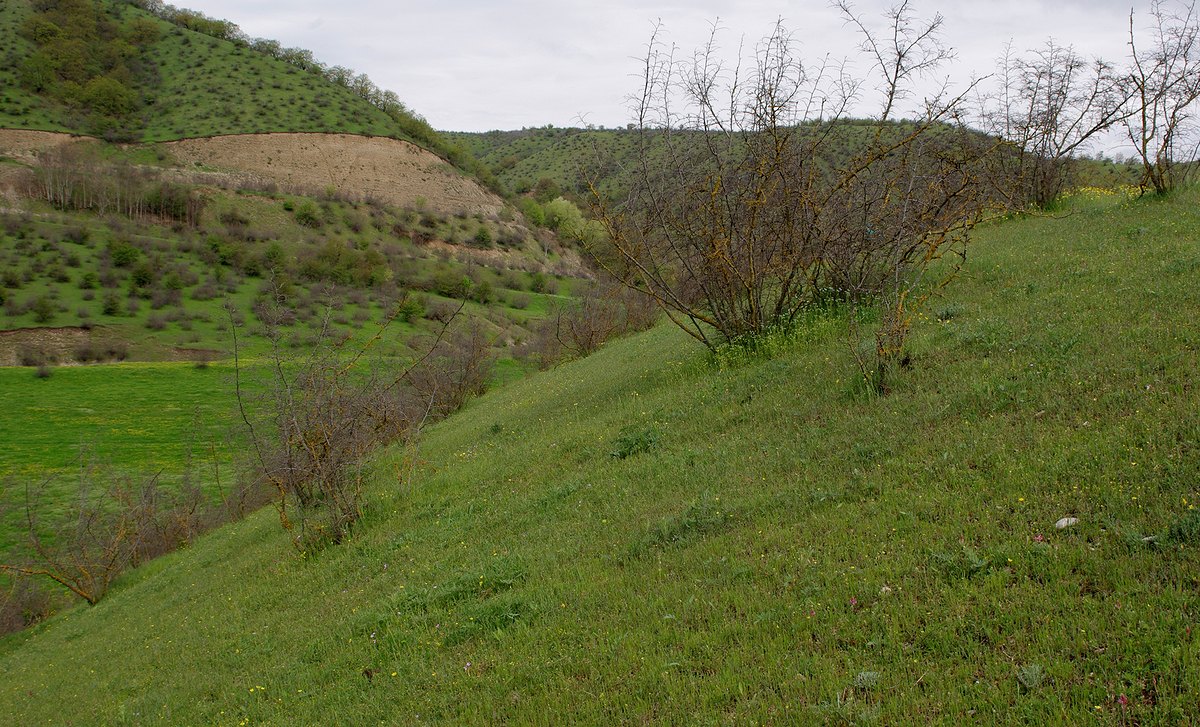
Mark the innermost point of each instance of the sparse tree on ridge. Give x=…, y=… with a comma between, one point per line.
x=1164, y=85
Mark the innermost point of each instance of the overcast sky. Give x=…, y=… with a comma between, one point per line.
x=475, y=65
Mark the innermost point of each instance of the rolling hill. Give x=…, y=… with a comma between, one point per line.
x=649, y=535
x=653, y=536
x=165, y=181
x=190, y=83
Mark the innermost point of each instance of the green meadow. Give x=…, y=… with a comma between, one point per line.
x=652, y=535
x=135, y=420
x=132, y=415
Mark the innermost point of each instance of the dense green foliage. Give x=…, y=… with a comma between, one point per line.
x=192, y=85
x=89, y=61
x=772, y=545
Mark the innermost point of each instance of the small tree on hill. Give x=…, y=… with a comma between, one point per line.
x=1164, y=85
x=1050, y=104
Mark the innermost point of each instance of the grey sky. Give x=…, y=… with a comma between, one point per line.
x=476, y=65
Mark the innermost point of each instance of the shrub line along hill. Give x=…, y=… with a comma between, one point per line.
x=648, y=535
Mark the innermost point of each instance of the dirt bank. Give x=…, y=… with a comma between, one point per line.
x=396, y=172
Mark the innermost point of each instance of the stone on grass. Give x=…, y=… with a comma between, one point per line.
x=1066, y=522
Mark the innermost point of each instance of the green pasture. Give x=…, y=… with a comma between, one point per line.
x=651, y=536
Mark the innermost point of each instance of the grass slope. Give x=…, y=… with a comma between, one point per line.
x=139, y=419
x=774, y=548
x=19, y=108
x=59, y=260
x=207, y=87
x=211, y=87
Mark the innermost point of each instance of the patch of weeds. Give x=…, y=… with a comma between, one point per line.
x=500, y=575
x=846, y=711
x=1185, y=530
x=778, y=338
x=866, y=680
x=698, y=520
x=634, y=440
x=1182, y=267
x=949, y=312
x=1030, y=676
x=984, y=335
x=558, y=495
x=967, y=563
x=491, y=616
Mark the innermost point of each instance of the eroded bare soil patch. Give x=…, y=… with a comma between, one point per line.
x=393, y=171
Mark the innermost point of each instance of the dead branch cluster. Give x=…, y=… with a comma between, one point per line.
x=602, y=310
x=110, y=522
x=1050, y=104
x=758, y=198
x=317, y=417
x=75, y=177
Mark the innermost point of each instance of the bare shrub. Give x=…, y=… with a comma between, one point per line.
x=324, y=410
x=25, y=604
x=85, y=550
x=1164, y=85
x=31, y=356
x=112, y=521
x=441, y=311
x=455, y=369
x=604, y=311
x=1051, y=102
x=747, y=210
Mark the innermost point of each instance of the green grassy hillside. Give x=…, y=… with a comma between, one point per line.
x=81, y=286
x=185, y=84
x=159, y=289
x=645, y=536
x=550, y=161
x=212, y=87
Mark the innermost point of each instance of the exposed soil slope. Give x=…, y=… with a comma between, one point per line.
x=23, y=144
x=394, y=171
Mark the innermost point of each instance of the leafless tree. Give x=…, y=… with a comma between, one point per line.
x=111, y=523
x=1164, y=85
x=1049, y=105
x=315, y=418
x=756, y=197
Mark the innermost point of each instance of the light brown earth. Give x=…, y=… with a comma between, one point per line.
x=24, y=145
x=54, y=345
x=58, y=345
x=393, y=171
